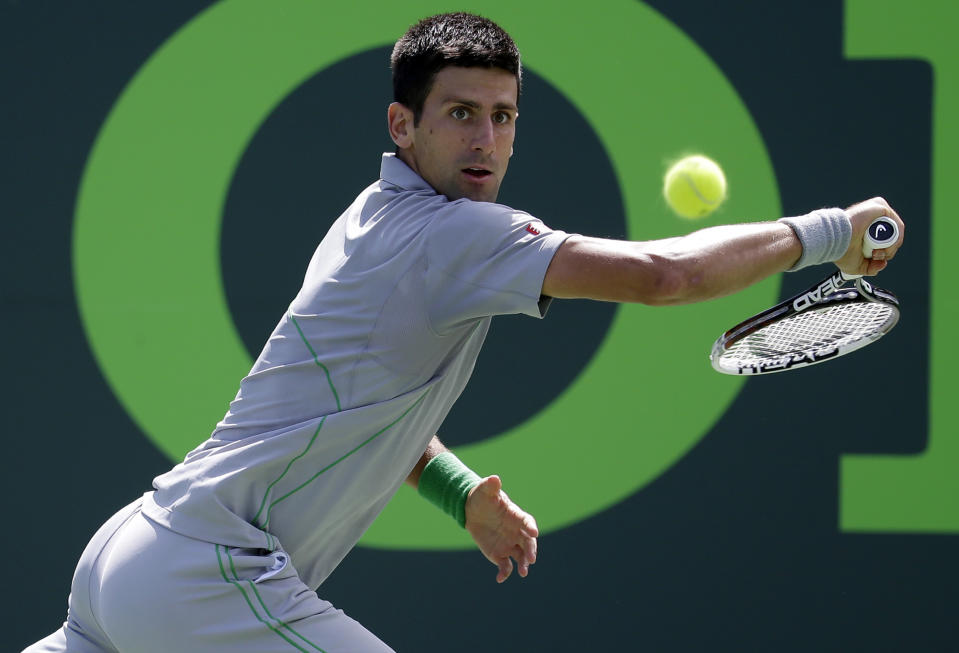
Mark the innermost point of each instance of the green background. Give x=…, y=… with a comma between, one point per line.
x=168, y=169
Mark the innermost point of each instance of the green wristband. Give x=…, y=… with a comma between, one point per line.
x=446, y=482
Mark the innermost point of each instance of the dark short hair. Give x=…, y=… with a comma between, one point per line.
x=455, y=39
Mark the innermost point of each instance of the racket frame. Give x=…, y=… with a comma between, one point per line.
x=829, y=292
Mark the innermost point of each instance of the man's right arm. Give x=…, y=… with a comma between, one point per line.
x=705, y=264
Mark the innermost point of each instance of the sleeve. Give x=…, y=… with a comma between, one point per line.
x=487, y=259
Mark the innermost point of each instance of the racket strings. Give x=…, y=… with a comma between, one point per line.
x=814, y=331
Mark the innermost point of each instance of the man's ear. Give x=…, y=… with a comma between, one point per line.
x=400, y=121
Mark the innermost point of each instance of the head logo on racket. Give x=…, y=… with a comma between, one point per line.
x=825, y=287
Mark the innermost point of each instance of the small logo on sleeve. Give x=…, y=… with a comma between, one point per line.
x=533, y=230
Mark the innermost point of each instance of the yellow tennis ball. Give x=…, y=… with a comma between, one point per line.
x=694, y=186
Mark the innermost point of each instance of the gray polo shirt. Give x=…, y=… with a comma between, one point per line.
x=359, y=373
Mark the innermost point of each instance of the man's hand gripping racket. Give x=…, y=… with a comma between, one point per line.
x=821, y=323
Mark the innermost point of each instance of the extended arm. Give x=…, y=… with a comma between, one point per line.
x=705, y=264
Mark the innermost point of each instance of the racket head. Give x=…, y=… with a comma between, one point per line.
x=784, y=338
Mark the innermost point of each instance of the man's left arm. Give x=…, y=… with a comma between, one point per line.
x=502, y=530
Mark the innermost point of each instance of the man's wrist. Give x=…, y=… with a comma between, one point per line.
x=824, y=234
x=446, y=483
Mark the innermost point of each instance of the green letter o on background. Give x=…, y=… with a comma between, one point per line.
x=155, y=311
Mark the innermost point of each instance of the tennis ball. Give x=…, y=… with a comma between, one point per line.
x=694, y=186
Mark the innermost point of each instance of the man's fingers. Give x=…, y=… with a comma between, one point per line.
x=529, y=545
x=522, y=561
x=505, y=569
x=529, y=525
x=875, y=267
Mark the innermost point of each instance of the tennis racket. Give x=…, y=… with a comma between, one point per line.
x=824, y=322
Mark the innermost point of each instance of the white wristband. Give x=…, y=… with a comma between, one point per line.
x=824, y=234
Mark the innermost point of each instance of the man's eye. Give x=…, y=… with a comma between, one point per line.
x=502, y=118
x=459, y=113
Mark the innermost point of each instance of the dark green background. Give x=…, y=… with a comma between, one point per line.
x=735, y=548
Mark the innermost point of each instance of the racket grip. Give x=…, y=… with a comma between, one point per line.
x=880, y=234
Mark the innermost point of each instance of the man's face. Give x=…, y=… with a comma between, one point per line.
x=464, y=139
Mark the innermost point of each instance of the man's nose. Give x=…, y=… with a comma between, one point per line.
x=484, y=139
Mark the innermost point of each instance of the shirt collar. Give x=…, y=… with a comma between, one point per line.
x=394, y=171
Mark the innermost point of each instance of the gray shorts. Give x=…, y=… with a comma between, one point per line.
x=141, y=587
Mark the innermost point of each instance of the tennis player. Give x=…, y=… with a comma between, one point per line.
x=226, y=551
